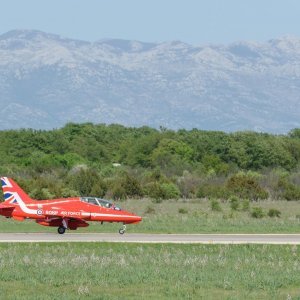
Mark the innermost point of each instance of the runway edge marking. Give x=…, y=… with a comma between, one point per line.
x=157, y=242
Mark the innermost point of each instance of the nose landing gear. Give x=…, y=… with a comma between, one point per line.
x=123, y=229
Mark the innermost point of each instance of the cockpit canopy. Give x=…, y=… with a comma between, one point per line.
x=99, y=202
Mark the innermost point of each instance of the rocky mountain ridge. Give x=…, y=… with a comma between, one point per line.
x=47, y=80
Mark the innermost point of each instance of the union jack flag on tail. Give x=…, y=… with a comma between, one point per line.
x=12, y=192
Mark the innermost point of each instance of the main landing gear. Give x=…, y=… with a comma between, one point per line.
x=61, y=229
x=123, y=229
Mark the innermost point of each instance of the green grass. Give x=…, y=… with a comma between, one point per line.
x=165, y=217
x=135, y=271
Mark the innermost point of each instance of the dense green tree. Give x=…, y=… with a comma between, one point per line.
x=78, y=159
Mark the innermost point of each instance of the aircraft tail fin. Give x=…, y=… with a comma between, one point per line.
x=12, y=192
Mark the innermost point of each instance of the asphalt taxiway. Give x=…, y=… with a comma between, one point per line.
x=292, y=239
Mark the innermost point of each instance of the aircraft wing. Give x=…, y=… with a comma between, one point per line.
x=68, y=222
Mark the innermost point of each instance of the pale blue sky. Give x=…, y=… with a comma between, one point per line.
x=192, y=21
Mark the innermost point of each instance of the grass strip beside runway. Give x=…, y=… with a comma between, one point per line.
x=186, y=216
x=150, y=271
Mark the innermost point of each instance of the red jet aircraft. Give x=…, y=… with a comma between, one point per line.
x=65, y=213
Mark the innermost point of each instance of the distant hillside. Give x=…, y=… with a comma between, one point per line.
x=47, y=80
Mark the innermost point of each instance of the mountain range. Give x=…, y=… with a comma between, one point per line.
x=47, y=80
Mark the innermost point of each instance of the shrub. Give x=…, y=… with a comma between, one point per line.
x=99, y=189
x=131, y=186
x=157, y=200
x=118, y=192
x=292, y=192
x=182, y=211
x=245, y=185
x=287, y=189
x=274, y=213
x=234, y=203
x=160, y=191
x=150, y=210
x=212, y=190
x=215, y=205
x=83, y=180
x=228, y=216
x=41, y=194
x=245, y=204
x=154, y=191
x=66, y=192
x=70, y=160
x=257, y=212
x=170, y=190
x=188, y=184
x=121, y=187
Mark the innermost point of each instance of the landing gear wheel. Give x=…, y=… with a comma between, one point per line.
x=123, y=229
x=61, y=230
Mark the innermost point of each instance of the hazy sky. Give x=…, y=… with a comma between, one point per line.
x=192, y=21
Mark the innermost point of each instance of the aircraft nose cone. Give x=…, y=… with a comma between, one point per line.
x=137, y=219
x=133, y=217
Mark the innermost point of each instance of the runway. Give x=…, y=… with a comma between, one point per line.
x=279, y=239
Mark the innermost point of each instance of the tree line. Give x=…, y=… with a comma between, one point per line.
x=117, y=162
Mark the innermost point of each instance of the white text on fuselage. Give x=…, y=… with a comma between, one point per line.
x=64, y=213
x=71, y=213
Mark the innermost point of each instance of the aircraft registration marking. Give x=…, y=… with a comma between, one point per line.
x=51, y=212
